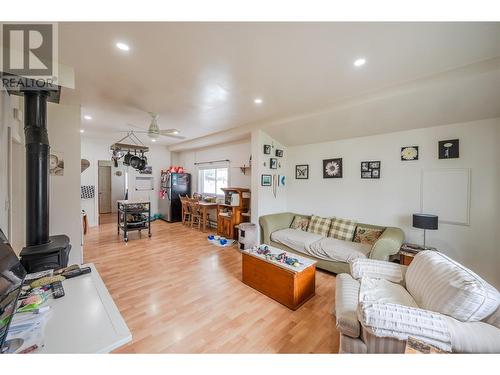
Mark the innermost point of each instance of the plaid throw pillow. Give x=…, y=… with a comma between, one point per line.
x=319, y=225
x=342, y=229
x=300, y=222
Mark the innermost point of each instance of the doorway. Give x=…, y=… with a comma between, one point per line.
x=104, y=184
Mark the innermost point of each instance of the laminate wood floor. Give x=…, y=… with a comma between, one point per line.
x=180, y=294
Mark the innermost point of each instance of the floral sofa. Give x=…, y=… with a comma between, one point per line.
x=332, y=242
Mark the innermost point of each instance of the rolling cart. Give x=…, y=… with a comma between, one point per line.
x=133, y=215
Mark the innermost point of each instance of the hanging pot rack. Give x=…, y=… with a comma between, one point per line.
x=135, y=146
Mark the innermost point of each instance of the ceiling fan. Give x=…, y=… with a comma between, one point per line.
x=154, y=130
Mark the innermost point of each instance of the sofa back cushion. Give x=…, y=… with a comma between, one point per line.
x=342, y=229
x=319, y=225
x=440, y=284
x=367, y=235
x=300, y=222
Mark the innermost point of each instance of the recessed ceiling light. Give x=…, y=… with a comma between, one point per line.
x=82, y=131
x=122, y=46
x=258, y=101
x=175, y=132
x=359, y=62
x=87, y=117
x=153, y=140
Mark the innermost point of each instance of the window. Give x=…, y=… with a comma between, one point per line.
x=211, y=180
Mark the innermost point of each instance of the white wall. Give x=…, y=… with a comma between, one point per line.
x=5, y=108
x=63, y=123
x=266, y=201
x=263, y=199
x=95, y=149
x=238, y=153
x=9, y=134
x=396, y=195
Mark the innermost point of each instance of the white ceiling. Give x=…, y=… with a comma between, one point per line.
x=203, y=77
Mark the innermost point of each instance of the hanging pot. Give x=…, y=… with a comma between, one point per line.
x=134, y=161
x=143, y=162
x=126, y=158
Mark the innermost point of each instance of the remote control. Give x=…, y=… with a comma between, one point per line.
x=58, y=290
x=77, y=272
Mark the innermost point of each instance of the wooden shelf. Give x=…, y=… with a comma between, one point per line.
x=226, y=224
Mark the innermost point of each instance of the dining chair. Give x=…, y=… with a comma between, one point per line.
x=196, y=214
x=186, y=212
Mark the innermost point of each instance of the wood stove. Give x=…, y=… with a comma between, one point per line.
x=42, y=251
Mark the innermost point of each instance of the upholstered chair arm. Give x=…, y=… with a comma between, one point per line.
x=272, y=223
x=377, y=269
x=346, y=305
x=400, y=322
x=387, y=244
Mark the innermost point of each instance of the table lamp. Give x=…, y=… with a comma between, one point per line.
x=425, y=221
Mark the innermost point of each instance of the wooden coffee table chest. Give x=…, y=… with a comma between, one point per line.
x=289, y=285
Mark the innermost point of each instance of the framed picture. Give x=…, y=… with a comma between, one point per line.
x=332, y=168
x=370, y=169
x=266, y=180
x=273, y=163
x=409, y=153
x=267, y=149
x=302, y=171
x=56, y=163
x=279, y=153
x=448, y=149
x=281, y=180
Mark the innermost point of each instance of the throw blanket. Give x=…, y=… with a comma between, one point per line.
x=400, y=322
x=333, y=249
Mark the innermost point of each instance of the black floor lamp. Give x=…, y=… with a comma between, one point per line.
x=425, y=221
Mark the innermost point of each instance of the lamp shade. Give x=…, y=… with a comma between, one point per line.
x=425, y=221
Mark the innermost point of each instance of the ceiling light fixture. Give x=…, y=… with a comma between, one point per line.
x=258, y=101
x=82, y=131
x=87, y=117
x=122, y=46
x=359, y=62
x=153, y=140
x=175, y=132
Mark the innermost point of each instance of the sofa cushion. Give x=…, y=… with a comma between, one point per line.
x=342, y=229
x=295, y=238
x=338, y=250
x=300, y=222
x=367, y=235
x=346, y=305
x=438, y=283
x=319, y=225
x=383, y=291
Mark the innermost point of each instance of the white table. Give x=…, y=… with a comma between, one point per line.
x=86, y=319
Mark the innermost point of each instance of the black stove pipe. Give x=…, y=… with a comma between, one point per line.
x=37, y=167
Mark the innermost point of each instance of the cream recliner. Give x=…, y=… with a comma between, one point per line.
x=435, y=300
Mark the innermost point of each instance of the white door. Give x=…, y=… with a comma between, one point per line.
x=104, y=182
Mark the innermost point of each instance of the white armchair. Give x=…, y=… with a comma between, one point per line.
x=434, y=299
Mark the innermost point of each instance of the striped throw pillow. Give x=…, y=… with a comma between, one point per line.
x=342, y=229
x=319, y=225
